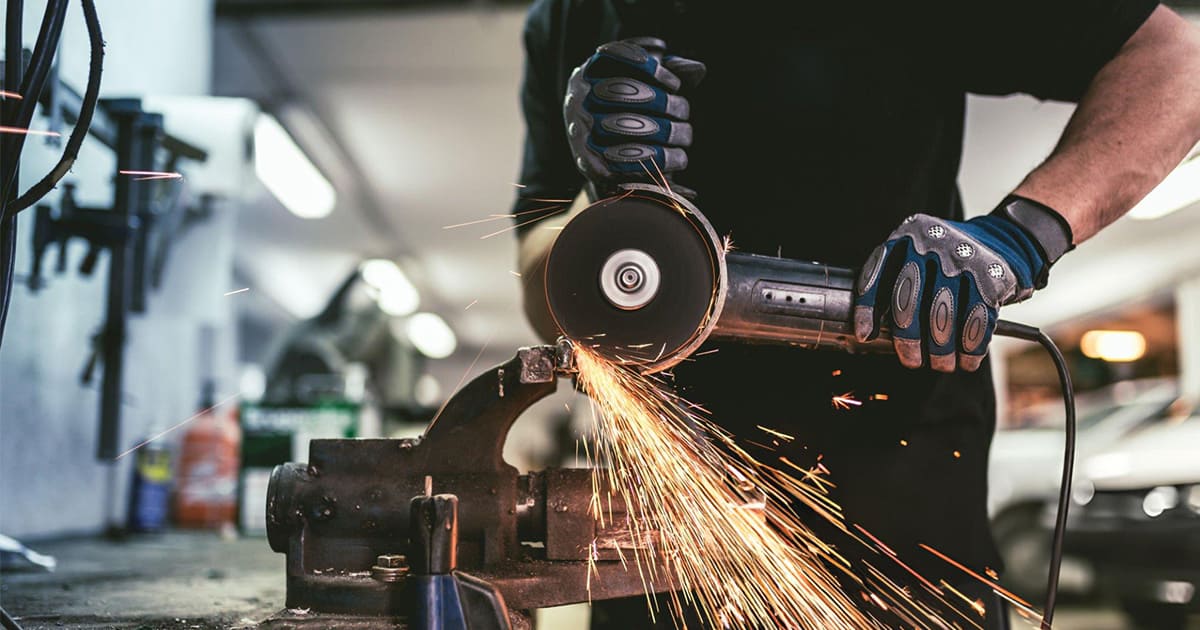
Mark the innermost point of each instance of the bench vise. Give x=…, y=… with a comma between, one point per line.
x=438, y=531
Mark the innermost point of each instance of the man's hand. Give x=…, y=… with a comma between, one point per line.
x=623, y=111
x=940, y=283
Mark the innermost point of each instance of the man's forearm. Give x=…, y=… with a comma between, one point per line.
x=1138, y=119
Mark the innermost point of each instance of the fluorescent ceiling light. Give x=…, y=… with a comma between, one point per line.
x=431, y=335
x=1179, y=190
x=288, y=173
x=1113, y=345
x=395, y=294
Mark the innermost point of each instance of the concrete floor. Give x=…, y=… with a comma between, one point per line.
x=202, y=581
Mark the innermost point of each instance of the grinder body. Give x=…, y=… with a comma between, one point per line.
x=794, y=302
x=643, y=278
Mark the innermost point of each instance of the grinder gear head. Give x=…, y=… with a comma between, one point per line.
x=639, y=277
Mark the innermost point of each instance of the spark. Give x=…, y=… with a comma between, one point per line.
x=837, y=373
x=879, y=396
x=957, y=455
x=512, y=215
x=846, y=401
x=783, y=436
x=522, y=224
x=706, y=352
x=892, y=554
x=140, y=176
x=976, y=605
x=473, y=303
x=732, y=552
x=29, y=132
x=994, y=586
x=13, y=95
x=238, y=291
x=727, y=243
x=198, y=414
x=515, y=273
x=903, y=442
x=461, y=380
x=991, y=573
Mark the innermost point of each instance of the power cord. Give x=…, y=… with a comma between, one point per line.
x=30, y=87
x=1029, y=333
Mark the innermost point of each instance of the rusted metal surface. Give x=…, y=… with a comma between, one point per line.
x=346, y=514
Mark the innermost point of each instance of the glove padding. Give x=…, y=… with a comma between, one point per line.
x=623, y=111
x=941, y=283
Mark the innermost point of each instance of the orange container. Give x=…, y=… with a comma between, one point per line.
x=207, y=474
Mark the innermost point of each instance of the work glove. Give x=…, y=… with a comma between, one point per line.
x=938, y=284
x=626, y=120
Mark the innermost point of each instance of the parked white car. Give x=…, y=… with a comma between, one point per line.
x=1137, y=521
x=1026, y=467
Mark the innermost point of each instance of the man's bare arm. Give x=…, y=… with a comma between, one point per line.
x=1136, y=122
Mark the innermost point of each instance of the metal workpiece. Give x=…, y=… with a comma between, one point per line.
x=466, y=522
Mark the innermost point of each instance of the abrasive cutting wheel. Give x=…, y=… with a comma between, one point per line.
x=639, y=277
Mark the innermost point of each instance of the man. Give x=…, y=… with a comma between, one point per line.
x=833, y=132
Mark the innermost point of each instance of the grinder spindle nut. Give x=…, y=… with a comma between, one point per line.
x=630, y=279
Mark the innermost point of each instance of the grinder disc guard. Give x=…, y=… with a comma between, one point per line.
x=681, y=255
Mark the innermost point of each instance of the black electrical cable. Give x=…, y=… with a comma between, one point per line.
x=47, y=45
x=14, y=67
x=34, y=82
x=1029, y=333
x=91, y=97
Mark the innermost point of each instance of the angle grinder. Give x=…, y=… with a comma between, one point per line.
x=642, y=278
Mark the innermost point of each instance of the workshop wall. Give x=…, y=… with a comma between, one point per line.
x=52, y=483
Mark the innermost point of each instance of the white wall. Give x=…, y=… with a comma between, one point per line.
x=50, y=481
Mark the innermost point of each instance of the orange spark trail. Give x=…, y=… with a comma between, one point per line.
x=198, y=414
x=724, y=534
x=845, y=401
x=29, y=132
x=468, y=307
x=13, y=95
x=995, y=587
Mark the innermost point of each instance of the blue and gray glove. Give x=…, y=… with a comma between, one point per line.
x=940, y=283
x=624, y=113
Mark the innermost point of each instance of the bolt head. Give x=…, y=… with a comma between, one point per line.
x=391, y=561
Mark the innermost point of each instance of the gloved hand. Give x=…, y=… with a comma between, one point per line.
x=940, y=283
x=623, y=110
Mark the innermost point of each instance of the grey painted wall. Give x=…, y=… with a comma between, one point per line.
x=50, y=481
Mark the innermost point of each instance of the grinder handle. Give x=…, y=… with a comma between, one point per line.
x=804, y=304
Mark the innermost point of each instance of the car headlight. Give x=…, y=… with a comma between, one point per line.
x=1160, y=500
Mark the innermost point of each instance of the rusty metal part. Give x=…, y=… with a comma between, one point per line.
x=527, y=536
x=390, y=568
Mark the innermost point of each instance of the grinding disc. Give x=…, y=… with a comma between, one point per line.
x=658, y=332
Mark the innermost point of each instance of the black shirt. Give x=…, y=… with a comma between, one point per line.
x=819, y=127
